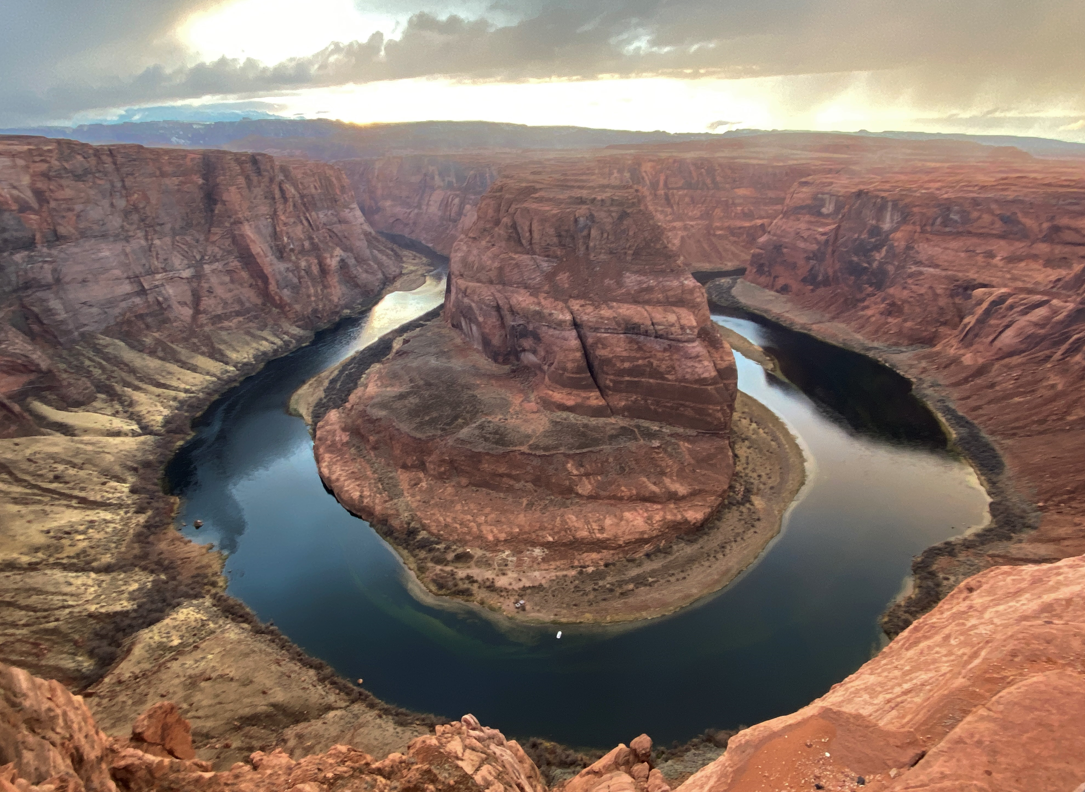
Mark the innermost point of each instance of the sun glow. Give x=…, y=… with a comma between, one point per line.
x=640, y=104
x=273, y=30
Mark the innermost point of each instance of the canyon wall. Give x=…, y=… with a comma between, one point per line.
x=135, y=285
x=714, y=199
x=159, y=247
x=714, y=202
x=972, y=282
x=431, y=198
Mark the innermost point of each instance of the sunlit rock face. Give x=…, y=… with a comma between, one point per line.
x=985, y=692
x=576, y=403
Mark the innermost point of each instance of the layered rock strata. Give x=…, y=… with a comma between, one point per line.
x=135, y=285
x=586, y=293
x=714, y=199
x=971, y=282
x=431, y=198
x=576, y=409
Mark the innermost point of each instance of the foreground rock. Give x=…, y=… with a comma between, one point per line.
x=49, y=741
x=575, y=411
x=986, y=692
x=136, y=286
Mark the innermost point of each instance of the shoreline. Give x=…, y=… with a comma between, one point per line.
x=1010, y=513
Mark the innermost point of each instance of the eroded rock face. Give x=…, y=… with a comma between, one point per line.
x=431, y=198
x=585, y=291
x=47, y=735
x=578, y=408
x=162, y=247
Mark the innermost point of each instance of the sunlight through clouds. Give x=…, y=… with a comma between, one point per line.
x=274, y=30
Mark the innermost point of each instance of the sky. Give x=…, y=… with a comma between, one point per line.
x=974, y=66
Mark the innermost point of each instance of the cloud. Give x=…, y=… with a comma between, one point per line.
x=716, y=125
x=970, y=56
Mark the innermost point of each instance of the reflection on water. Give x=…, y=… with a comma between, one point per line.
x=397, y=309
x=254, y=415
x=881, y=488
x=870, y=398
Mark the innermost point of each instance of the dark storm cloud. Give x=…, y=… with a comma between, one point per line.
x=926, y=51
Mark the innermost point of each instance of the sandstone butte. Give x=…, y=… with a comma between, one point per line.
x=574, y=408
x=983, y=692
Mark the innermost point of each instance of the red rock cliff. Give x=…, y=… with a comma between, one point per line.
x=135, y=243
x=583, y=289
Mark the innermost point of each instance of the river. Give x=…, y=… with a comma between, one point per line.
x=882, y=486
